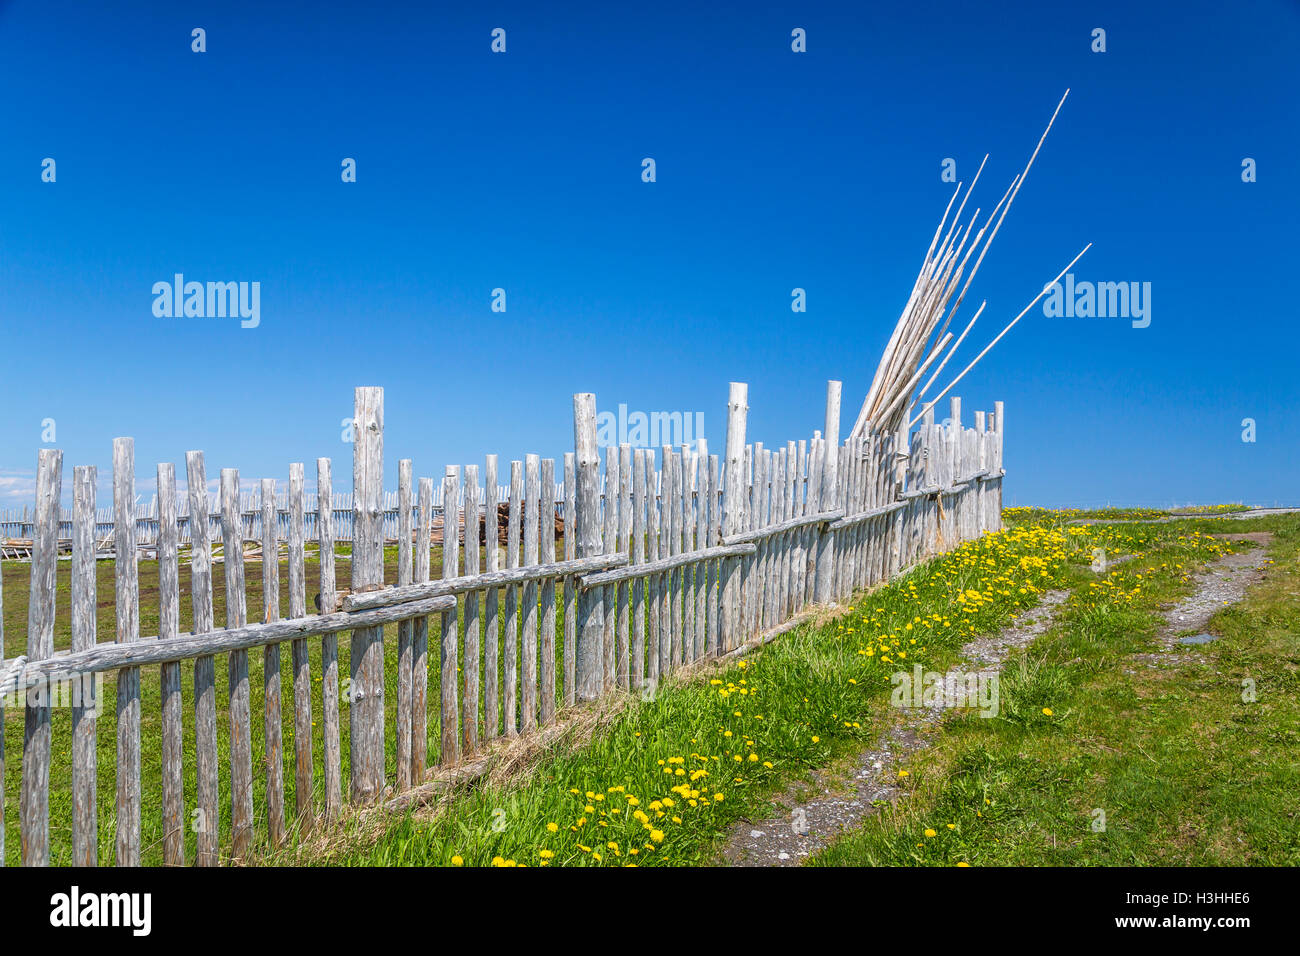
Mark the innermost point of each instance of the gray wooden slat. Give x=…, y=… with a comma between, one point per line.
x=470, y=665
x=513, y=533
x=637, y=648
x=85, y=775
x=714, y=538
x=366, y=691
x=528, y=638
x=241, y=745
x=2, y=723
x=34, y=802
x=450, y=651
x=590, y=625
x=491, y=599
x=623, y=592
x=127, y=600
x=303, y=775
x=420, y=641
x=654, y=583
x=405, y=717
x=570, y=596
x=549, y=688
x=732, y=513
x=701, y=541
x=271, y=723
x=686, y=528
x=330, y=730
x=670, y=545
x=169, y=612
x=207, y=814
x=609, y=596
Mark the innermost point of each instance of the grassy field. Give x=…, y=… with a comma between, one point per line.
x=1185, y=770
x=16, y=594
x=663, y=780
x=666, y=779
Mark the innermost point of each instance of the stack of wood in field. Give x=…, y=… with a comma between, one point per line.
x=921, y=337
x=503, y=525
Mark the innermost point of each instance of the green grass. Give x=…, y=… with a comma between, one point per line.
x=1185, y=771
x=705, y=753
x=803, y=702
x=16, y=592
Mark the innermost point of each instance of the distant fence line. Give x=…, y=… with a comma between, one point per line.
x=698, y=558
x=19, y=523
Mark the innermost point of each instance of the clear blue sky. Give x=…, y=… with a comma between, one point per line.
x=522, y=170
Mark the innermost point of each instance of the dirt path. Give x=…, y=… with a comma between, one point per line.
x=842, y=797
x=1221, y=583
x=845, y=795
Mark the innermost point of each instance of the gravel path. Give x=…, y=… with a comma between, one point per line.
x=1221, y=583
x=845, y=796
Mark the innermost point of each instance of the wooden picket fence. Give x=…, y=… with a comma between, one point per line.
x=666, y=561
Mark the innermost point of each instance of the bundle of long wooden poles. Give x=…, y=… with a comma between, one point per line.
x=921, y=337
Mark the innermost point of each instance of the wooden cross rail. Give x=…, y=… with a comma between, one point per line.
x=862, y=516
x=478, y=582
x=757, y=534
x=107, y=657
x=666, y=564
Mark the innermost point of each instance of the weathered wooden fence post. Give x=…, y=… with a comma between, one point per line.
x=405, y=629
x=169, y=607
x=208, y=819
x=999, y=422
x=34, y=805
x=590, y=667
x=450, y=731
x=238, y=694
x=732, y=510
x=830, y=495
x=366, y=714
x=127, y=600
x=85, y=831
x=329, y=655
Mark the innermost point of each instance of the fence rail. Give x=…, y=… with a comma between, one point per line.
x=664, y=564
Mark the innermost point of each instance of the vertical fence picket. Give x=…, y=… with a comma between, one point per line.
x=491, y=621
x=514, y=533
x=34, y=808
x=299, y=658
x=609, y=592
x=715, y=538
x=330, y=732
x=450, y=738
x=241, y=749
x=532, y=500
x=169, y=612
x=570, y=595
x=207, y=818
x=655, y=581
x=127, y=600
x=85, y=775
x=405, y=716
x=271, y=667
x=701, y=568
x=420, y=641
x=636, y=649
x=590, y=625
x=624, y=546
x=470, y=666
x=732, y=514
x=366, y=692
x=548, y=592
